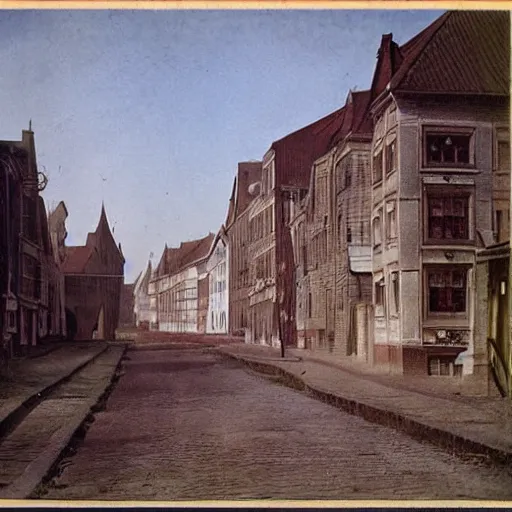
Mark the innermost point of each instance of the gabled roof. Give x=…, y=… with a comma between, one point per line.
x=295, y=153
x=175, y=259
x=462, y=52
x=76, y=259
x=357, y=119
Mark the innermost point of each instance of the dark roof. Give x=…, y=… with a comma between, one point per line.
x=295, y=153
x=357, y=119
x=462, y=52
x=76, y=258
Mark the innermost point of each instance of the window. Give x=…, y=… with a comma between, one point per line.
x=448, y=148
x=395, y=294
x=448, y=216
x=442, y=366
x=348, y=176
x=377, y=231
x=310, y=305
x=349, y=234
x=502, y=150
x=447, y=290
x=501, y=225
x=391, y=221
x=391, y=157
x=377, y=167
x=379, y=297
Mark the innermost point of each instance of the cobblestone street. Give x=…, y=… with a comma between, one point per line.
x=185, y=424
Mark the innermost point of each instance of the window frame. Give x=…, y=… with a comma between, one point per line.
x=390, y=169
x=453, y=191
x=450, y=317
x=448, y=131
x=377, y=220
x=378, y=155
x=391, y=206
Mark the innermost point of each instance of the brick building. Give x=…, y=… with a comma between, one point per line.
x=30, y=280
x=441, y=109
x=178, y=287
x=237, y=229
x=126, y=306
x=285, y=180
x=330, y=231
x=94, y=278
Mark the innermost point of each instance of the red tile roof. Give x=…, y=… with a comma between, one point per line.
x=357, y=119
x=295, y=153
x=462, y=52
x=76, y=258
x=175, y=259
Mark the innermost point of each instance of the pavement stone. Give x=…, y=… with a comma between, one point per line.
x=190, y=425
x=465, y=424
x=32, y=378
x=28, y=453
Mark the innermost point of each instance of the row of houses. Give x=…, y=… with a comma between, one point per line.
x=49, y=291
x=380, y=232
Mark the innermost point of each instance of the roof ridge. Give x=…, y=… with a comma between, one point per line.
x=307, y=127
x=410, y=59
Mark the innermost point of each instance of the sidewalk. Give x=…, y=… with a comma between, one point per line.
x=32, y=378
x=475, y=425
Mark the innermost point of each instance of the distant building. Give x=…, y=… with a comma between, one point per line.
x=237, y=229
x=94, y=278
x=141, y=299
x=174, y=287
x=126, y=306
x=285, y=178
x=217, y=267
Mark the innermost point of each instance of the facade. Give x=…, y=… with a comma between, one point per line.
x=141, y=299
x=330, y=233
x=238, y=235
x=30, y=279
x=96, y=271
x=437, y=204
x=126, y=306
x=285, y=181
x=174, y=288
x=217, y=268
x=11, y=182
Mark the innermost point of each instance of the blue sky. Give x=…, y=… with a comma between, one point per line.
x=150, y=111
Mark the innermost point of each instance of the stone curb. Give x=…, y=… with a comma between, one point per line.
x=27, y=483
x=11, y=418
x=450, y=441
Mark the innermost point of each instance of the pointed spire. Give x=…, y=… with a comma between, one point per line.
x=30, y=125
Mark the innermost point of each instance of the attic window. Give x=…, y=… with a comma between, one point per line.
x=448, y=148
